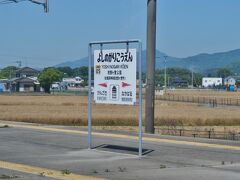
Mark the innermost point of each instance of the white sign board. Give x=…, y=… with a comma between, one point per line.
x=115, y=76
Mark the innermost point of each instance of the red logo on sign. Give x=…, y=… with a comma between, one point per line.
x=125, y=84
x=103, y=84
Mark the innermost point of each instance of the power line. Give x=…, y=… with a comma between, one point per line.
x=31, y=57
x=3, y=2
x=45, y=4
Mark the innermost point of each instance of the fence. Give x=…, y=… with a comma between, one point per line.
x=210, y=134
x=213, y=101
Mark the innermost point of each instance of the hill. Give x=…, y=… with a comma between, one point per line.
x=200, y=62
x=159, y=61
x=75, y=63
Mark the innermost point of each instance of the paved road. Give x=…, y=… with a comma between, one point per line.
x=56, y=152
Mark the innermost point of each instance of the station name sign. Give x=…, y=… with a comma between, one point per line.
x=115, y=76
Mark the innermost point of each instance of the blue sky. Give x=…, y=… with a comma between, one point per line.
x=184, y=28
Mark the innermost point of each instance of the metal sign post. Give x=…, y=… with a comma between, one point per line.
x=90, y=97
x=114, y=79
x=140, y=100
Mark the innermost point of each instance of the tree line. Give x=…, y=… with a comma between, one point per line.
x=52, y=74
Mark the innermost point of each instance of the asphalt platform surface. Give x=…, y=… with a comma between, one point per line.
x=113, y=156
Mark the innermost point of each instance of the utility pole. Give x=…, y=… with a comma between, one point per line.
x=45, y=4
x=150, y=75
x=192, y=78
x=10, y=81
x=165, y=73
x=19, y=63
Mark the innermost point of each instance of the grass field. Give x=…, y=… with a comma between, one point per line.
x=72, y=110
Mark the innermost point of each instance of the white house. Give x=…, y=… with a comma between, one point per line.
x=55, y=86
x=229, y=81
x=73, y=82
x=59, y=86
x=25, y=81
x=211, y=81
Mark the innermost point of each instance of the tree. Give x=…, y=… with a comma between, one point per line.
x=224, y=72
x=8, y=72
x=82, y=72
x=67, y=71
x=48, y=76
x=181, y=73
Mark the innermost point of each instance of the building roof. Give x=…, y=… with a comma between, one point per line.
x=27, y=69
x=178, y=80
x=229, y=77
x=24, y=80
x=3, y=80
x=212, y=78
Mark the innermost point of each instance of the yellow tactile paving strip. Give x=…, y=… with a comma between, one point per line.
x=149, y=139
x=43, y=172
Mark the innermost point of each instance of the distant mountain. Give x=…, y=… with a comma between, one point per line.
x=203, y=62
x=198, y=63
x=159, y=61
x=74, y=64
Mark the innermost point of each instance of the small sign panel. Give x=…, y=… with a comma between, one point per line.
x=115, y=76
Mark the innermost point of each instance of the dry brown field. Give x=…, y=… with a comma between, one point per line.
x=72, y=110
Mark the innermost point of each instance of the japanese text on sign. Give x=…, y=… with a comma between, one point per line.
x=115, y=76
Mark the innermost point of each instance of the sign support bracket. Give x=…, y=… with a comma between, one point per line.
x=139, y=62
